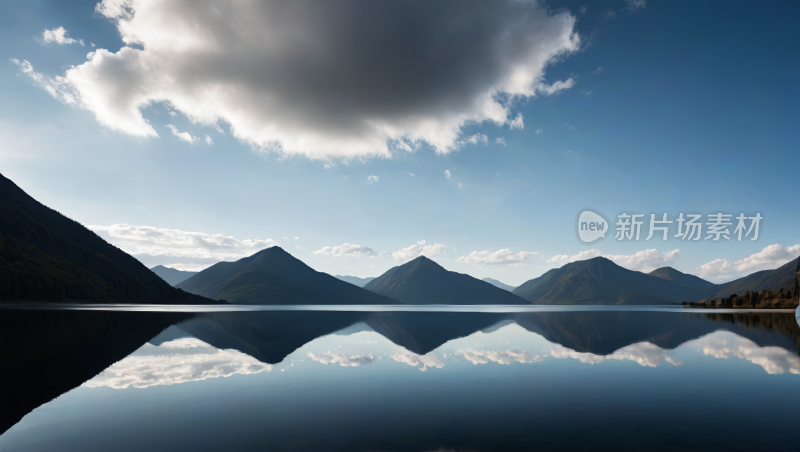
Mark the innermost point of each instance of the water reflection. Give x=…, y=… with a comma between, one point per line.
x=46, y=353
x=177, y=361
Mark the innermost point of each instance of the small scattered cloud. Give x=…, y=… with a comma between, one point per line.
x=419, y=249
x=341, y=359
x=501, y=357
x=372, y=179
x=421, y=361
x=176, y=248
x=539, y=131
x=452, y=178
x=411, y=174
x=517, y=123
x=770, y=257
x=549, y=90
x=183, y=136
x=634, y=5
x=474, y=140
x=569, y=126
x=582, y=10
x=597, y=71
x=346, y=249
x=501, y=141
x=209, y=141
x=645, y=354
x=501, y=257
x=59, y=36
x=647, y=260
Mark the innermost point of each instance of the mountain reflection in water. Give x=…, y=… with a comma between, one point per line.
x=44, y=354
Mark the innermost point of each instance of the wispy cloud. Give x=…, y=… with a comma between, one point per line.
x=646, y=260
x=59, y=36
x=419, y=249
x=346, y=249
x=183, y=136
x=176, y=248
x=770, y=257
x=340, y=358
x=501, y=257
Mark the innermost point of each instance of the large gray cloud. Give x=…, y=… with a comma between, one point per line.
x=323, y=79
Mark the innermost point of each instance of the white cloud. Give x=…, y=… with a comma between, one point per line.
x=636, y=4
x=647, y=260
x=501, y=357
x=517, y=123
x=501, y=141
x=549, y=90
x=411, y=174
x=724, y=345
x=643, y=353
x=340, y=358
x=597, y=71
x=59, y=36
x=238, y=63
x=183, y=136
x=504, y=256
x=420, y=249
x=346, y=249
x=538, y=131
x=770, y=257
x=209, y=141
x=178, y=361
x=474, y=140
x=452, y=178
x=176, y=248
x=421, y=361
x=372, y=179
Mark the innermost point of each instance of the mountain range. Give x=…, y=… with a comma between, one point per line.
x=423, y=281
x=47, y=257
x=171, y=275
x=355, y=280
x=601, y=281
x=273, y=276
x=497, y=283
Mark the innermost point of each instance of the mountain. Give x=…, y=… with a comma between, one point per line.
x=601, y=281
x=171, y=275
x=46, y=257
x=273, y=276
x=670, y=274
x=355, y=280
x=423, y=281
x=497, y=283
x=782, y=277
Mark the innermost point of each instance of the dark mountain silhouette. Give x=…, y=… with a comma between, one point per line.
x=46, y=257
x=273, y=276
x=497, y=283
x=423, y=281
x=171, y=275
x=670, y=274
x=601, y=281
x=355, y=280
x=46, y=353
x=780, y=278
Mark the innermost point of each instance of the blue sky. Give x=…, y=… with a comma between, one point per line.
x=673, y=107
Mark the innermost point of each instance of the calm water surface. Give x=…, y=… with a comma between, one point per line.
x=381, y=380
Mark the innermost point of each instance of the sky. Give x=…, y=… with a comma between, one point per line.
x=359, y=135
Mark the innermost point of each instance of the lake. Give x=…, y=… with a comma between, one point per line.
x=398, y=379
